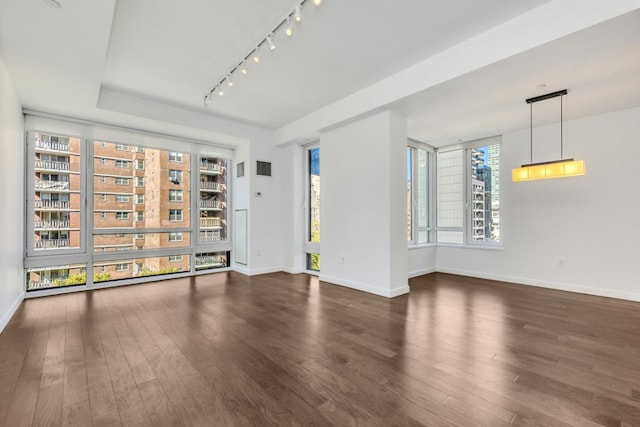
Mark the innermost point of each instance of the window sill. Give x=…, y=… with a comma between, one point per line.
x=421, y=246
x=481, y=247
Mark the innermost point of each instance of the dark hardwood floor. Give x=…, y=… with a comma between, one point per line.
x=276, y=350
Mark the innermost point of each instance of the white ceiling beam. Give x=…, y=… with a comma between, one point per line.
x=544, y=24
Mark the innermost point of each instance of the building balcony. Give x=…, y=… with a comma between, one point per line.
x=52, y=243
x=52, y=224
x=210, y=223
x=210, y=186
x=40, y=284
x=210, y=168
x=210, y=205
x=51, y=204
x=210, y=261
x=52, y=146
x=52, y=165
x=52, y=185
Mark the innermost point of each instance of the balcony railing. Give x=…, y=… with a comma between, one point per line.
x=52, y=243
x=210, y=167
x=210, y=260
x=40, y=284
x=209, y=238
x=52, y=185
x=211, y=186
x=52, y=146
x=210, y=223
x=51, y=204
x=57, y=224
x=210, y=204
x=50, y=164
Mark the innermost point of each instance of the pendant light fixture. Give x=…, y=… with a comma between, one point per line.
x=552, y=169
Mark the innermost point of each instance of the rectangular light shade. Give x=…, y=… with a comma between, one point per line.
x=559, y=169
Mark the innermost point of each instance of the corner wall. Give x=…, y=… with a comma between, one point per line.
x=578, y=234
x=12, y=192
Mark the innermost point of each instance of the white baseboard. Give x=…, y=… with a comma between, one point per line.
x=257, y=271
x=401, y=290
x=293, y=270
x=630, y=296
x=4, y=321
x=422, y=272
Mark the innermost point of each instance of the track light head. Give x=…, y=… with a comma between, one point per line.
x=288, y=29
x=318, y=3
x=229, y=80
x=270, y=43
x=256, y=55
x=243, y=68
x=220, y=91
x=297, y=14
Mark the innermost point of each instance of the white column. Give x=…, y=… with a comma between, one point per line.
x=363, y=236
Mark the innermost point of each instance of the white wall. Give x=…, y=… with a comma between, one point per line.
x=363, y=238
x=12, y=192
x=422, y=260
x=293, y=208
x=590, y=222
x=266, y=209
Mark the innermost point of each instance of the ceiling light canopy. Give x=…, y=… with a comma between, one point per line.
x=294, y=16
x=552, y=169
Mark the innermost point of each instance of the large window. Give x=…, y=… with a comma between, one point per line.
x=468, y=193
x=418, y=195
x=312, y=247
x=142, y=222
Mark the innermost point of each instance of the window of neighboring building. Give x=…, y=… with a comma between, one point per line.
x=122, y=181
x=139, y=216
x=175, y=258
x=122, y=198
x=122, y=147
x=175, y=157
x=175, y=237
x=175, y=175
x=175, y=195
x=175, y=214
x=139, y=199
x=122, y=164
x=122, y=267
x=139, y=164
x=138, y=182
x=122, y=215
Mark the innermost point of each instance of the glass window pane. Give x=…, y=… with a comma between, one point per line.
x=422, y=199
x=212, y=201
x=140, y=241
x=56, y=276
x=139, y=197
x=211, y=260
x=450, y=188
x=57, y=197
x=313, y=262
x=409, y=192
x=314, y=194
x=485, y=193
x=128, y=268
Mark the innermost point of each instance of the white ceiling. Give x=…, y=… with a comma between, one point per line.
x=172, y=53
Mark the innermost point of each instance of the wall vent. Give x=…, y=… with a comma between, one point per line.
x=263, y=168
x=240, y=169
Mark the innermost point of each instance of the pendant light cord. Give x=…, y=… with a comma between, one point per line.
x=561, y=130
x=531, y=132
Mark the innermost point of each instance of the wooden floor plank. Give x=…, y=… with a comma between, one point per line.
x=280, y=349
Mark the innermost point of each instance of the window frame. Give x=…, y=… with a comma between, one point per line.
x=465, y=149
x=90, y=181
x=414, y=145
x=310, y=248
